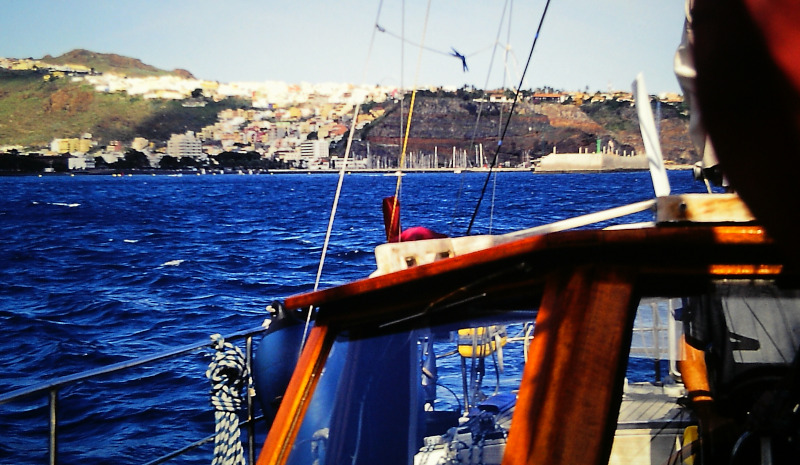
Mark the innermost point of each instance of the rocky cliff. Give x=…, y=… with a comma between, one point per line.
x=441, y=123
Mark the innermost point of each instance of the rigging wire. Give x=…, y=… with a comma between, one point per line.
x=489, y=71
x=508, y=44
x=403, y=40
x=491, y=210
x=401, y=37
x=410, y=114
x=508, y=119
x=339, y=185
x=402, y=69
x=480, y=107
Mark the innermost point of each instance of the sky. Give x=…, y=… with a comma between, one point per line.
x=594, y=44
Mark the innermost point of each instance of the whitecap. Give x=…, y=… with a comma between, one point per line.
x=63, y=204
x=173, y=263
x=130, y=241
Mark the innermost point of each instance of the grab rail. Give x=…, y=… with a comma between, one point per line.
x=52, y=387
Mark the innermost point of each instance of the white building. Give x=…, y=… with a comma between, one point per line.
x=140, y=143
x=185, y=145
x=312, y=149
x=80, y=162
x=314, y=154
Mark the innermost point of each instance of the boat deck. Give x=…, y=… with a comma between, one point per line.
x=650, y=425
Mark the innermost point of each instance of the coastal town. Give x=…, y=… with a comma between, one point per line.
x=289, y=126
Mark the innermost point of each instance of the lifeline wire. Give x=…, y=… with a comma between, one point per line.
x=508, y=119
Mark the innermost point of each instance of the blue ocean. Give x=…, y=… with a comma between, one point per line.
x=96, y=270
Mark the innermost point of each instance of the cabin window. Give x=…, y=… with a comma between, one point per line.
x=446, y=394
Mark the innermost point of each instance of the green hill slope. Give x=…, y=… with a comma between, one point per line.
x=34, y=111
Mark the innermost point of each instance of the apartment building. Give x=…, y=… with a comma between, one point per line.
x=74, y=145
x=314, y=149
x=185, y=145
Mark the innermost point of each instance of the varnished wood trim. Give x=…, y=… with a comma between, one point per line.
x=571, y=388
x=685, y=250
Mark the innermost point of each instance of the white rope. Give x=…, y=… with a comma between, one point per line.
x=228, y=374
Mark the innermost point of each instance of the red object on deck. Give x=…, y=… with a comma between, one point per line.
x=391, y=220
x=419, y=233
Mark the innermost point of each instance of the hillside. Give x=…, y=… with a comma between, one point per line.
x=450, y=121
x=37, y=106
x=111, y=63
x=33, y=112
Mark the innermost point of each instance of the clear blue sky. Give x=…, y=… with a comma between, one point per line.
x=594, y=43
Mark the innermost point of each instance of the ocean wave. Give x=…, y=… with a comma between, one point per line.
x=352, y=253
x=74, y=300
x=57, y=204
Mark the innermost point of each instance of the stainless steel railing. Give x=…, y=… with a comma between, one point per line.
x=656, y=334
x=52, y=387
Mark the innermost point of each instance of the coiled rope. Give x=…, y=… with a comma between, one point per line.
x=228, y=374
